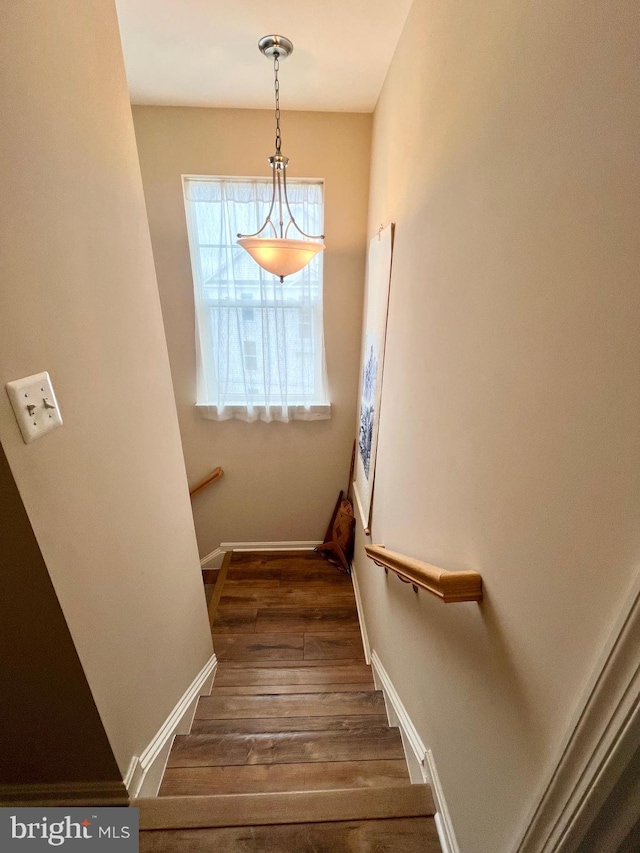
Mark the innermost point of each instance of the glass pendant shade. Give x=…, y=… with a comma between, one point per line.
x=279, y=255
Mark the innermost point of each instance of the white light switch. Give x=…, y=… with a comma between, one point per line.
x=34, y=405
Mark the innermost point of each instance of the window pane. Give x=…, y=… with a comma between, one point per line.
x=260, y=341
x=279, y=346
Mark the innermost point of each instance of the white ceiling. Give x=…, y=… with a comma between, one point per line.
x=205, y=52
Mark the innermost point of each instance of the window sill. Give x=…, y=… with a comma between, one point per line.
x=249, y=414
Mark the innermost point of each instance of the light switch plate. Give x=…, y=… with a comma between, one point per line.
x=34, y=405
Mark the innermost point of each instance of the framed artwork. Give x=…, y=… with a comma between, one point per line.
x=375, y=330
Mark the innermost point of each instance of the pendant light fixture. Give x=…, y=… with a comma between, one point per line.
x=280, y=254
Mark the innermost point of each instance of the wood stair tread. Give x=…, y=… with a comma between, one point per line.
x=282, y=689
x=278, y=594
x=289, y=807
x=394, y=835
x=247, y=618
x=317, y=619
x=209, y=750
x=291, y=705
x=244, y=665
x=289, y=574
x=227, y=675
x=303, y=646
x=265, y=778
x=334, y=646
x=288, y=724
x=254, y=647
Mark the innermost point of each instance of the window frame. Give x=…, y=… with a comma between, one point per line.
x=319, y=409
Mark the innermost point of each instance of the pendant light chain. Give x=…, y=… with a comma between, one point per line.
x=276, y=68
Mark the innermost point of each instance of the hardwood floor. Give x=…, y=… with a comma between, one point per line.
x=293, y=714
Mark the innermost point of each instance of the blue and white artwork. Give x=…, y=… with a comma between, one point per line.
x=368, y=402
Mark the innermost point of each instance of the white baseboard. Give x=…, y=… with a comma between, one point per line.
x=214, y=558
x=145, y=771
x=65, y=794
x=414, y=748
x=420, y=761
x=446, y=835
x=363, y=625
x=288, y=545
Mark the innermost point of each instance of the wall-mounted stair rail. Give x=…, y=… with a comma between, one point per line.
x=449, y=586
x=211, y=478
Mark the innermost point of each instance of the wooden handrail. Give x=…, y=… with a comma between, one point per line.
x=449, y=586
x=213, y=476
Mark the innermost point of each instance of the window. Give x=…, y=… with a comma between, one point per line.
x=250, y=354
x=260, y=349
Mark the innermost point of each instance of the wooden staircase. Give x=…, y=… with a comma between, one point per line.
x=292, y=751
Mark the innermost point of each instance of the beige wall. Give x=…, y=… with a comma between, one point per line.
x=281, y=480
x=50, y=731
x=505, y=148
x=106, y=494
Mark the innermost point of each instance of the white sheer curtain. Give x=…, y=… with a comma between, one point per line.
x=260, y=344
